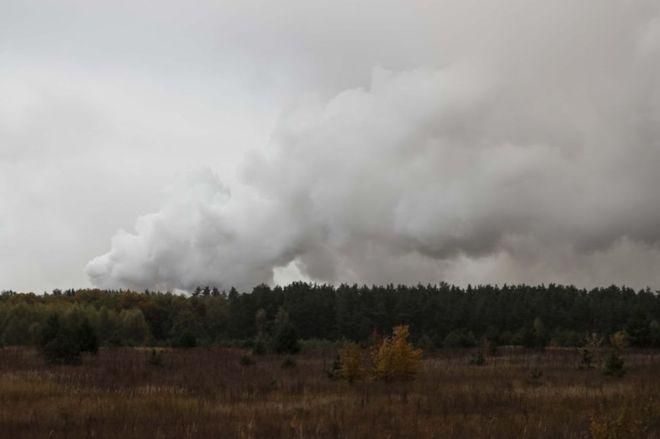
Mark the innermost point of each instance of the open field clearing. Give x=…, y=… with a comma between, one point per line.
x=212, y=393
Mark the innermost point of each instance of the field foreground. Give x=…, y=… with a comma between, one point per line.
x=212, y=393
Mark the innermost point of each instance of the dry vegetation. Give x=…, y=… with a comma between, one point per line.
x=123, y=392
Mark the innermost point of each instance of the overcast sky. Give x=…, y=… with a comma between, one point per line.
x=166, y=144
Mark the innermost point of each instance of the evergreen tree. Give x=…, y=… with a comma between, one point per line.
x=134, y=328
x=58, y=344
x=286, y=336
x=86, y=337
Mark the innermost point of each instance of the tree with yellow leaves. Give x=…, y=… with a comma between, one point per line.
x=396, y=359
x=350, y=360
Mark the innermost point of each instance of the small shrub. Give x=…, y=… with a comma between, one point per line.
x=350, y=362
x=335, y=369
x=489, y=346
x=620, y=340
x=246, y=360
x=477, y=359
x=586, y=359
x=289, y=363
x=286, y=340
x=614, y=365
x=534, y=377
x=593, y=341
x=61, y=350
x=155, y=358
x=260, y=346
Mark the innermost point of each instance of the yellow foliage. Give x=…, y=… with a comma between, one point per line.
x=620, y=340
x=395, y=358
x=350, y=358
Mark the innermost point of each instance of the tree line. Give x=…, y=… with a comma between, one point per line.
x=273, y=318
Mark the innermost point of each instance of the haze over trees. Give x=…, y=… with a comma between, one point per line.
x=274, y=319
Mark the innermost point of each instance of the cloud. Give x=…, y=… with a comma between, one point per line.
x=376, y=141
x=528, y=157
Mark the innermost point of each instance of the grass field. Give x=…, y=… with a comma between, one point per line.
x=211, y=393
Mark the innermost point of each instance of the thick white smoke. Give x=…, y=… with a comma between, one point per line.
x=532, y=155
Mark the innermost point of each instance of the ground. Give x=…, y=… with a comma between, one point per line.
x=207, y=393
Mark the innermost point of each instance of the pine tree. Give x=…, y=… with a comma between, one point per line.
x=86, y=337
x=614, y=364
x=58, y=344
x=286, y=335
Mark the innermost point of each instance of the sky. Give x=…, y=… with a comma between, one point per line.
x=169, y=144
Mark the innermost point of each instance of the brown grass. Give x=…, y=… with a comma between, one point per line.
x=207, y=393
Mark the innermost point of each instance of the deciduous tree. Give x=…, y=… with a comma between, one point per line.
x=396, y=359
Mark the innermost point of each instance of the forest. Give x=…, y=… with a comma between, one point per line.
x=370, y=361
x=275, y=318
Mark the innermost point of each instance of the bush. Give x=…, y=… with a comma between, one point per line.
x=536, y=374
x=155, y=358
x=260, y=345
x=350, y=362
x=478, y=359
x=620, y=340
x=335, y=369
x=289, y=363
x=246, y=360
x=614, y=365
x=286, y=340
x=586, y=359
x=61, y=350
x=534, y=377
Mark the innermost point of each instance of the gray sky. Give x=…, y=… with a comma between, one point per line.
x=170, y=143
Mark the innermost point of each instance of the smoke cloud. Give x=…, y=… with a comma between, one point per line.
x=526, y=151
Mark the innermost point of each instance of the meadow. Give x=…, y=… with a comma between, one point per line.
x=223, y=392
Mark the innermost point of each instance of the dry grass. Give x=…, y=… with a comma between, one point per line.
x=208, y=393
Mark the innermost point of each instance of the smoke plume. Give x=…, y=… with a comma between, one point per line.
x=527, y=152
